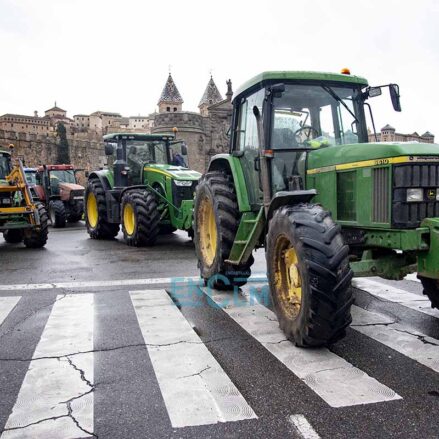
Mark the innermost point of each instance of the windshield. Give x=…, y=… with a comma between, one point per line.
x=31, y=177
x=64, y=176
x=147, y=152
x=310, y=116
x=4, y=167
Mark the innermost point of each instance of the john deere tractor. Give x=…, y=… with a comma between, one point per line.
x=21, y=218
x=302, y=181
x=148, y=189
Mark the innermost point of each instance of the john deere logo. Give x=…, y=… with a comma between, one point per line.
x=431, y=194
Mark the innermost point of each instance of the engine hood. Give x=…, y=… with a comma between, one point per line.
x=381, y=153
x=175, y=172
x=68, y=187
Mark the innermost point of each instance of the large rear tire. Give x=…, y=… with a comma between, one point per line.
x=216, y=221
x=431, y=290
x=140, y=218
x=96, y=212
x=309, y=275
x=57, y=214
x=37, y=237
x=13, y=236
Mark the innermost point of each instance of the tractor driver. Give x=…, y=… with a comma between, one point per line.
x=177, y=159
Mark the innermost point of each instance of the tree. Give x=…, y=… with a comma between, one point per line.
x=63, y=155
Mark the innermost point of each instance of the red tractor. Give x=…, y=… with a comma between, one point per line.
x=57, y=187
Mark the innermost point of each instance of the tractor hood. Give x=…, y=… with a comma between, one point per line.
x=68, y=187
x=371, y=154
x=70, y=190
x=175, y=172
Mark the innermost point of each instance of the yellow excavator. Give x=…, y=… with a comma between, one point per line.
x=22, y=219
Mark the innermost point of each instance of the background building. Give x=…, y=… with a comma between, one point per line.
x=389, y=134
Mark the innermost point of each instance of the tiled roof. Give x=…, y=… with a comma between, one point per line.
x=388, y=127
x=211, y=94
x=170, y=92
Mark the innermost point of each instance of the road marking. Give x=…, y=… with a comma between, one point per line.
x=411, y=343
x=413, y=277
x=195, y=388
x=195, y=280
x=417, y=302
x=303, y=427
x=56, y=399
x=7, y=304
x=335, y=380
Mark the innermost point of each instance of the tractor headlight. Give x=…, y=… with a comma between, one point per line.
x=414, y=195
x=183, y=183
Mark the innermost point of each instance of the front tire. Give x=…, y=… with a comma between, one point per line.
x=96, y=212
x=216, y=221
x=140, y=218
x=57, y=214
x=13, y=236
x=37, y=237
x=431, y=290
x=309, y=275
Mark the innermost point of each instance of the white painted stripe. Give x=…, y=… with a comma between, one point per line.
x=114, y=283
x=413, y=277
x=414, y=301
x=56, y=399
x=335, y=380
x=406, y=341
x=303, y=427
x=195, y=388
x=7, y=304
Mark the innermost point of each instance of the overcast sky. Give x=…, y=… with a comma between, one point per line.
x=113, y=55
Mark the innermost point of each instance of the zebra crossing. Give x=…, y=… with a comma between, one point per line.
x=57, y=396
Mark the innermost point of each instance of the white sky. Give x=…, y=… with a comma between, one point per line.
x=113, y=55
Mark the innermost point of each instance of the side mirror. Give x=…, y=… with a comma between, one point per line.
x=183, y=149
x=277, y=90
x=109, y=149
x=374, y=91
x=394, y=95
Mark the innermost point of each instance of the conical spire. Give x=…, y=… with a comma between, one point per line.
x=211, y=94
x=170, y=93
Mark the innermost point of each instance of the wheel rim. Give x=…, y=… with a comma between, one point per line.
x=288, y=280
x=92, y=210
x=129, y=219
x=208, y=231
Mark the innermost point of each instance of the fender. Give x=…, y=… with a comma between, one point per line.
x=284, y=198
x=103, y=178
x=233, y=167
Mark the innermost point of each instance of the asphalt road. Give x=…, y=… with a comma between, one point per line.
x=98, y=339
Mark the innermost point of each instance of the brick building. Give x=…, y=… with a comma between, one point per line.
x=389, y=134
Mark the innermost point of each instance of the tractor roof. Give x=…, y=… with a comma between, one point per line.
x=274, y=76
x=56, y=168
x=3, y=152
x=137, y=136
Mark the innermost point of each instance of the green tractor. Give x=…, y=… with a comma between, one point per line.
x=302, y=181
x=148, y=189
x=21, y=218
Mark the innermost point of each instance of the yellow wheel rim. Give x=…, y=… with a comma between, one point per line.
x=207, y=231
x=92, y=210
x=129, y=219
x=288, y=280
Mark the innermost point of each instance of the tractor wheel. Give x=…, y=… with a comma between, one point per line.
x=216, y=221
x=36, y=238
x=13, y=236
x=309, y=275
x=57, y=214
x=140, y=218
x=431, y=290
x=76, y=212
x=96, y=212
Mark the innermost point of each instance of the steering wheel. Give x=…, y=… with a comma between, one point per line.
x=306, y=132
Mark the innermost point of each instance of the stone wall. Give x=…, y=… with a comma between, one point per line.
x=86, y=149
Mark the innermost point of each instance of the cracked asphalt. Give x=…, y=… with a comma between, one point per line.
x=127, y=398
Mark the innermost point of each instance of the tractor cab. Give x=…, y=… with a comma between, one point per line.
x=5, y=165
x=144, y=151
x=282, y=116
